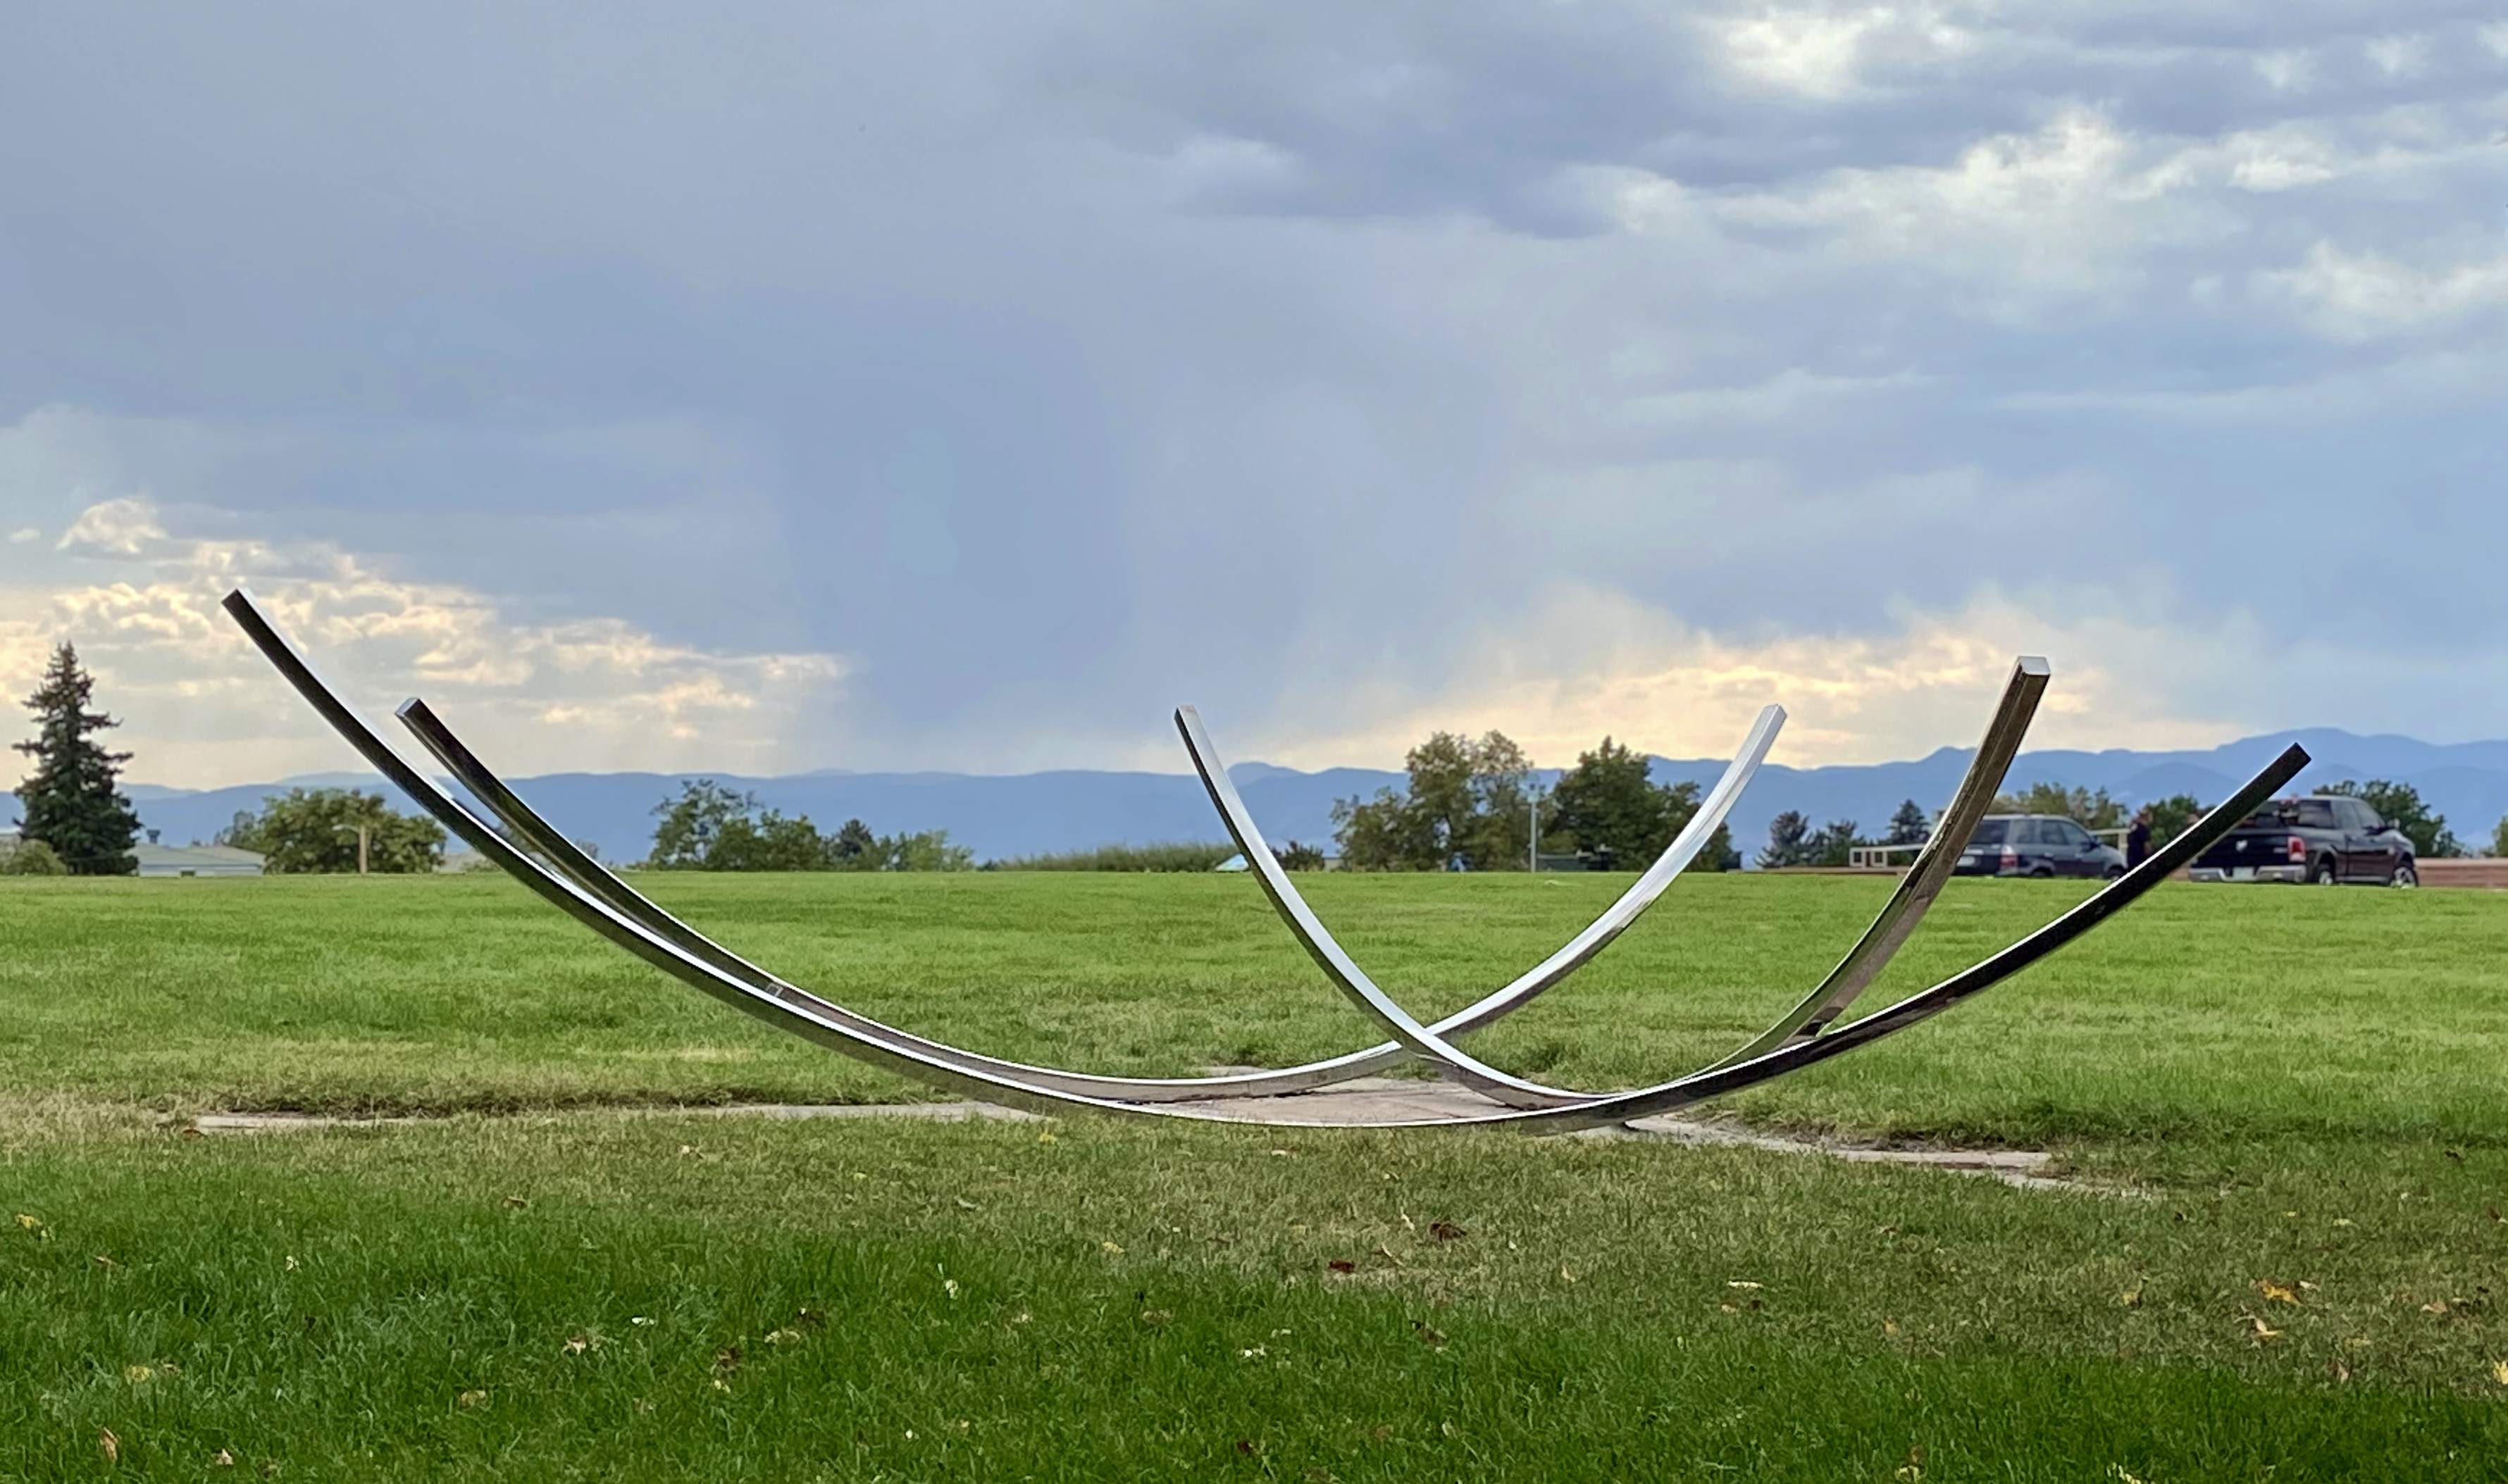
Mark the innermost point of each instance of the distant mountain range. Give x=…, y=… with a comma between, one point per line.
x=1036, y=813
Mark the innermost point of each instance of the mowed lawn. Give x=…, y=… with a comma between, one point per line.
x=2291, y=1107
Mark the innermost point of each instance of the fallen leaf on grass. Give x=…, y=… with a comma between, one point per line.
x=782, y=1336
x=1566, y=1274
x=579, y=1342
x=1742, y=1283
x=1046, y=1138
x=1154, y=1317
x=2335, y=1367
x=105, y=1443
x=949, y=1286
x=809, y=1319
x=1446, y=1231
x=2264, y=1333
x=517, y=1202
x=1247, y=1445
x=1429, y=1336
x=726, y=1361
x=2499, y=1371
x=2437, y=1306
x=106, y=1264
x=2131, y=1298
x=29, y=1223
x=1342, y=1265
x=269, y=1467
x=224, y=1459
x=1111, y=1249
x=2279, y=1294
x=2123, y=1477
x=1387, y=1256
x=135, y=1374
x=965, y=1205
x=1890, y=1328
x=472, y=1399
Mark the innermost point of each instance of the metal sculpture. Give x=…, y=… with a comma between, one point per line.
x=543, y=861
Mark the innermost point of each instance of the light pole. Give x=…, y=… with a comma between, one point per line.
x=362, y=845
x=1532, y=832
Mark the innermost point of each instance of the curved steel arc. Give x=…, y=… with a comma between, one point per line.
x=820, y=1029
x=1926, y=877
x=570, y=861
x=1923, y=1005
x=791, y=1015
x=1423, y=1041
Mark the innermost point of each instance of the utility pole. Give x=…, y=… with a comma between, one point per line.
x=361, y=845
x=1532, y=849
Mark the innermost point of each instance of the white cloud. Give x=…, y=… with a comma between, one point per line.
x=1596, y=662
x=200, y=707
x=2358, y=296
x=2021, y=221
x=1824, y=51
x=25, y=536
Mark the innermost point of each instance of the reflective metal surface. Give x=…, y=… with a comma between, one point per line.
x=1380, y=1006
x=1926, y=877
x=827, y=1025
x=563, y=858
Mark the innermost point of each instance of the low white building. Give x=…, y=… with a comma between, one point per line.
x=196, y=860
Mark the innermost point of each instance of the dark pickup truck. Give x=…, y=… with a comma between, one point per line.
x=2325, y=839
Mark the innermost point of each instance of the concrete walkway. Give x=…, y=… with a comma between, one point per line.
x=1365, y=1101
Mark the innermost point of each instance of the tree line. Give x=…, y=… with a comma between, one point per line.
x=1467, y=803
x=709, y=827
x=1475, y=805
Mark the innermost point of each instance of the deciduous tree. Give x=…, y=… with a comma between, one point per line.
x=2090, y=806
x=1466, y=800
x=2172, y=816
x=314, y=830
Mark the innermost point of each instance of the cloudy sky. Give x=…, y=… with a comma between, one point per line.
x=939, y=384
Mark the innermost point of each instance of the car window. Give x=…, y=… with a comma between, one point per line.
x=2363, y=816
x=2071, y=833
x=2313, y=813
x=2045, y=832
x=1991, y=832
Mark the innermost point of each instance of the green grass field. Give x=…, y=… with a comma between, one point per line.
x=2296, y=1103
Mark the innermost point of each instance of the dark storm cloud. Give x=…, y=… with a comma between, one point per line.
x=1051, y=363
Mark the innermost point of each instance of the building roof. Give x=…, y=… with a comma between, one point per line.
x=176, y=859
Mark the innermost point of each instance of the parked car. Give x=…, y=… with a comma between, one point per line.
x=2036, y=844
x=2323, y=838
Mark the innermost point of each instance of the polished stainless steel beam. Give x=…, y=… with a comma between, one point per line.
x=1430, y=1042
x=804, y=1020
x=568, y=861
x=1926, y=876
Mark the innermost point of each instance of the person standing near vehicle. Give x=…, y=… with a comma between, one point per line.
x=2137, y=838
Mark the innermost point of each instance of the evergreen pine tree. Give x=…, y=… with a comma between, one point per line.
x=70, y=801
